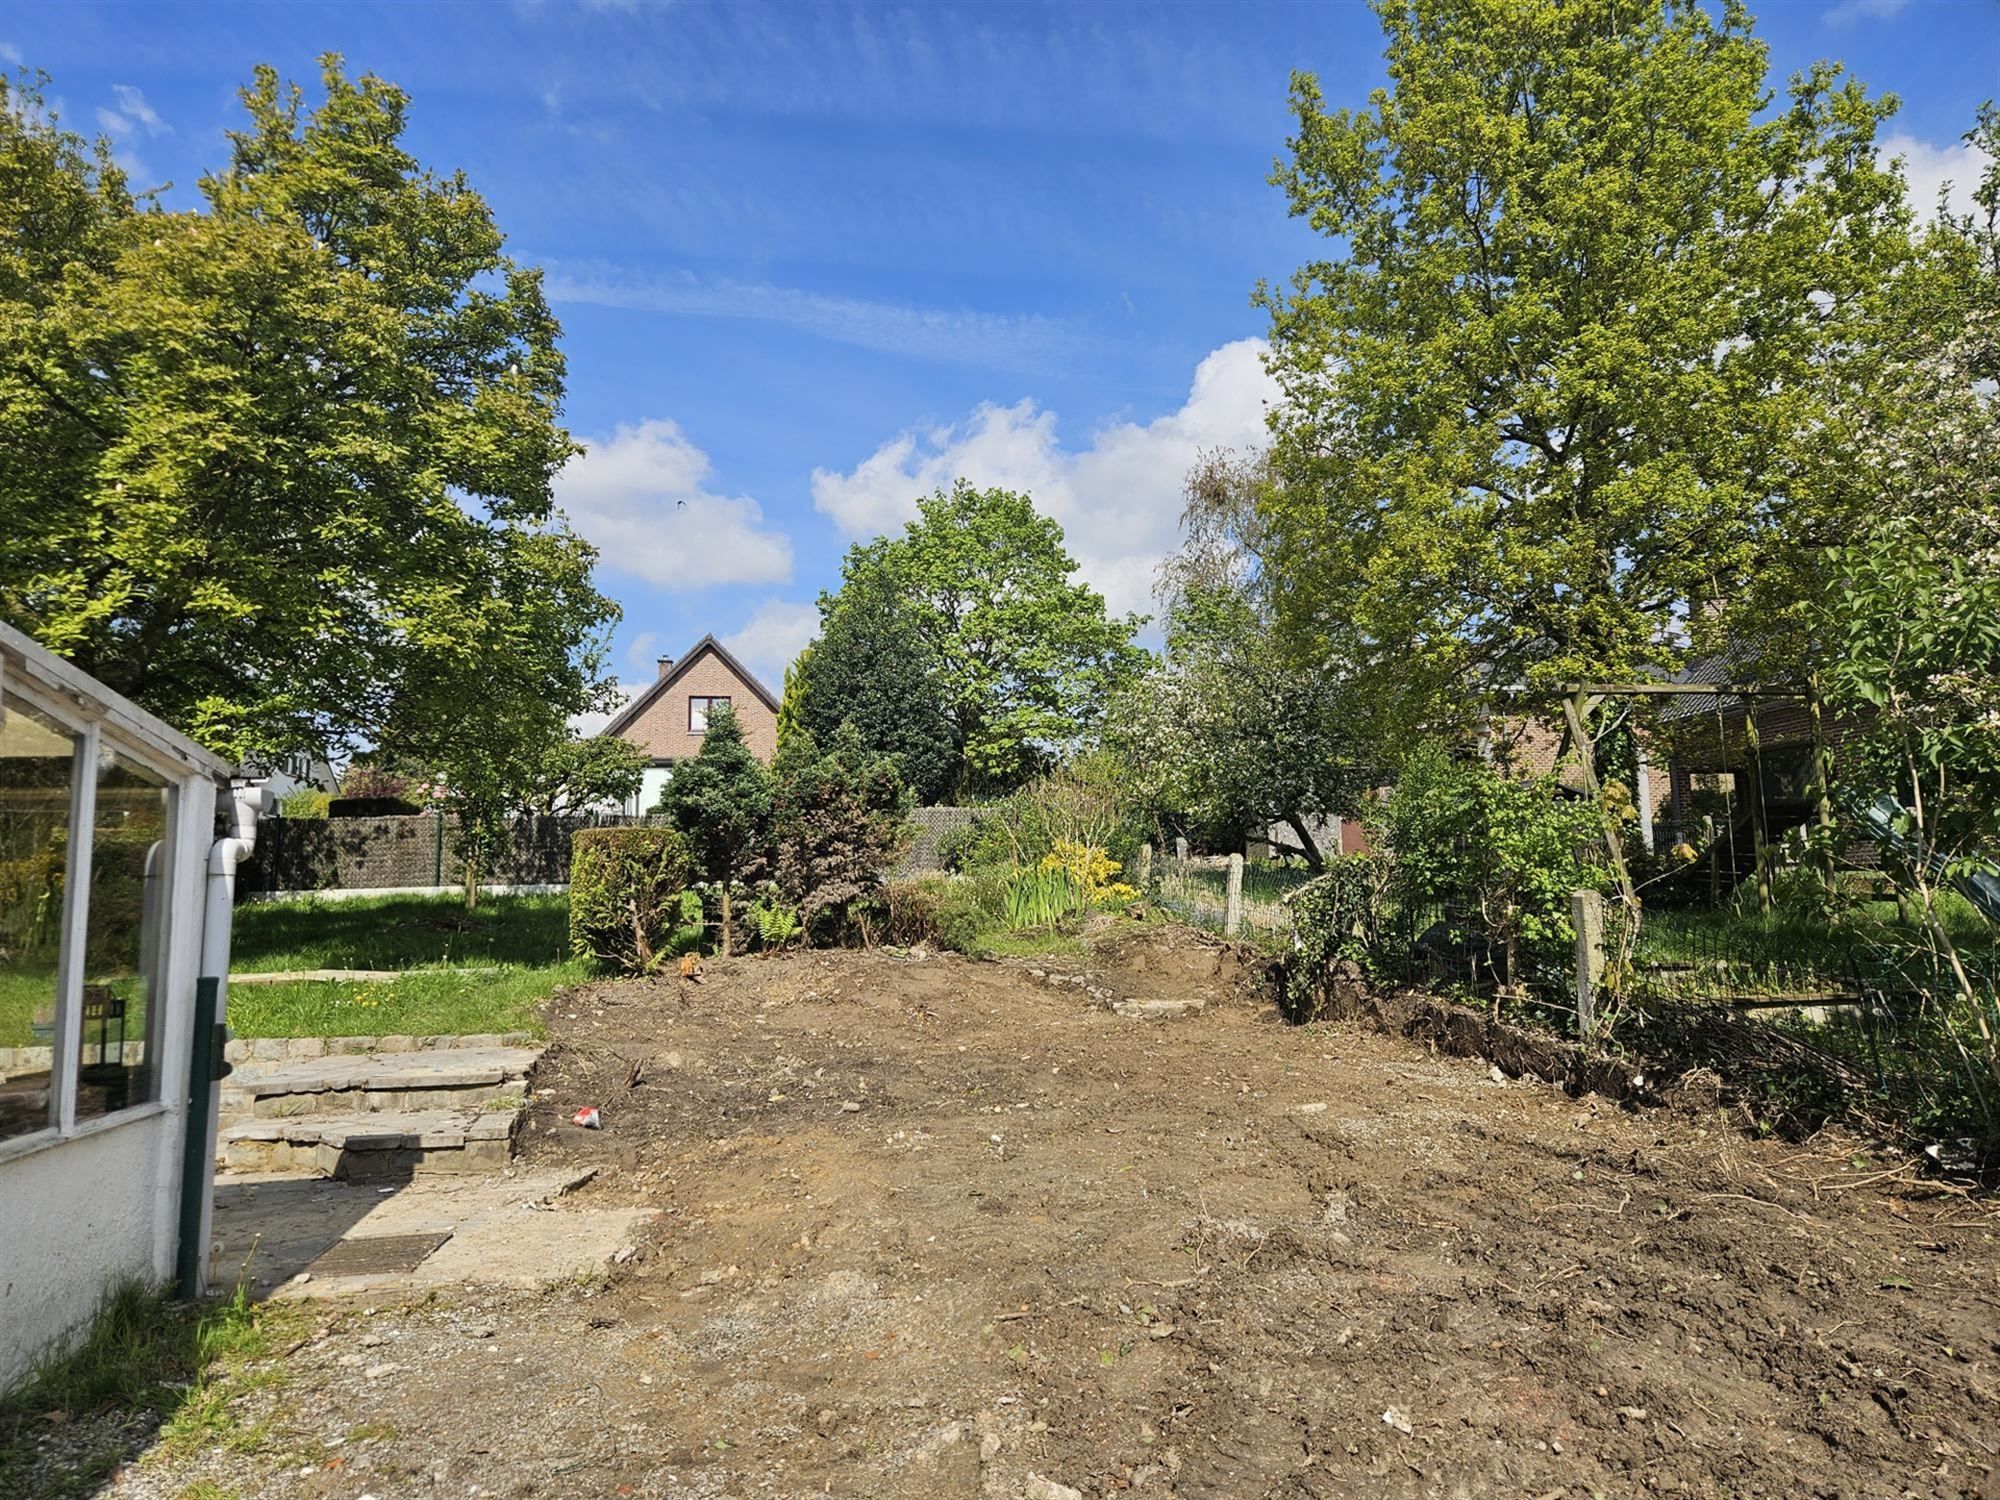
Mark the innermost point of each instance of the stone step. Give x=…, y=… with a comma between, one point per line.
x=373, y=1145
x=375, y=1082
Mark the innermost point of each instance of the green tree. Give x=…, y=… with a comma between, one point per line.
x=1228, y=727
x=280, y=470
x=1913, y=616
x=580, y=772
x=1025, y=658
x=872, y=670
x=721, y=802
x=791, y=705
x=1548, y=408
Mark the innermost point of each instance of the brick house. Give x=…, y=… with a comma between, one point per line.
x=668, y=718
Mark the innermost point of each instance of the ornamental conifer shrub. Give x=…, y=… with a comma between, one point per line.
x=625, y=887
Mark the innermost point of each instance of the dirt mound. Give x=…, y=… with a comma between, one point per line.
x=934, y=1228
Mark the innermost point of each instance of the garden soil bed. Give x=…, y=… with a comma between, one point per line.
x=931, y=1228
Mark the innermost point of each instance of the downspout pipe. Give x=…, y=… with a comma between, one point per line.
x=206, y=1067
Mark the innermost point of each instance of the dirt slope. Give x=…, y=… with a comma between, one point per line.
x=932, y=1228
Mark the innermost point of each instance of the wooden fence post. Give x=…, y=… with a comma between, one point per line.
x=1145, y=868
x=1181, y=853
x=1232, y=913
x=1587, y=913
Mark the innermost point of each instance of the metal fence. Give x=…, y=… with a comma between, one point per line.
x=1197, y=891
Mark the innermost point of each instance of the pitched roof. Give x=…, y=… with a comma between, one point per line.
x=664, y=685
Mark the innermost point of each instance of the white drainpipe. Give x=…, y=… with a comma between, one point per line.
x=246, y=804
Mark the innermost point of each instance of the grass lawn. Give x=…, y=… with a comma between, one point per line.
x=519, y=943
x=400, y=932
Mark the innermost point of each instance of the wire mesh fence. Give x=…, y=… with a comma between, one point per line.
x=1197, y=892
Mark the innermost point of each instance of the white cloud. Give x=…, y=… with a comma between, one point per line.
x=640, y=655
x=1001, y=341
x=772, y=637
x=641, y=496
x=132, y=114
x=1928, y=167
x=589, y=724
x=10, y=54
x=1119, y=498
x=1849, y=11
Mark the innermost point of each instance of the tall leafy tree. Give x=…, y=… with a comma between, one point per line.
x=280, y=470
x=1025, y=658
x=1226, y=727
x=721, y=802
x=1549, y=398
x=872, y=671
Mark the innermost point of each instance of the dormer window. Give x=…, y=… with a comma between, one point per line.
x=698, y=709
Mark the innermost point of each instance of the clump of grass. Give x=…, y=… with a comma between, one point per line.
x=144, y=1367
x=420, y=1002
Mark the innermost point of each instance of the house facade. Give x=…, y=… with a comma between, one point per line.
x=668, y=718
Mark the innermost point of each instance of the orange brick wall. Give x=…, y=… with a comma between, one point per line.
x=662, y=730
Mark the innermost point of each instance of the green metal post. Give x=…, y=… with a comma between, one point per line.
x=205, y=1067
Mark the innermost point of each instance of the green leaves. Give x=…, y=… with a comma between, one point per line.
x=1550, y=397
x=281, y=470
x=1022, y=658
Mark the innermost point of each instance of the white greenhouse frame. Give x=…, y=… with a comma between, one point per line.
x=86, y=1204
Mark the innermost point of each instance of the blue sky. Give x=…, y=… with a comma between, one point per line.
x=814, y=260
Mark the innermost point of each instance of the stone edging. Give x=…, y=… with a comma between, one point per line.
x=281, y=1048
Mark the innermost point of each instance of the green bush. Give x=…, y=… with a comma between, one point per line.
x=968, y=908
x=961, y=848
x=304, y=802
x=1510, y=849
x=1336, y=921
x=625, y=889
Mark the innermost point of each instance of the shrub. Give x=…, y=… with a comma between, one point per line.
x=912, y=911
x=1093, y=871
x=1081, y=803
x=839, y=821
x=304, y=802
x=1336, y=922
x=969, y=907
x=721, y=802
x=1512, y=849
x=962, y=847
x=625, y=889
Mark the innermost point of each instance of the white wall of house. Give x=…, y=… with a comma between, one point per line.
x=89, y=1183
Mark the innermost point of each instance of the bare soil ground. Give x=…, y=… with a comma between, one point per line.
x=933, y=1228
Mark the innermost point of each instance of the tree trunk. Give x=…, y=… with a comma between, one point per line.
x=1308, y=850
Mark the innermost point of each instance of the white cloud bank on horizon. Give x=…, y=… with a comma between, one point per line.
x=1926, y=168
x=1119, y=497
x=641, y=496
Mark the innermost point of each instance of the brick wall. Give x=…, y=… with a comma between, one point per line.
x=662, y=730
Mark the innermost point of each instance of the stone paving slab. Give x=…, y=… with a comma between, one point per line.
x=508, y=1228
x=462, y=1067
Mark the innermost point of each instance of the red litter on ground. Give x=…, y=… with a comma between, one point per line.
x=587, y=1118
